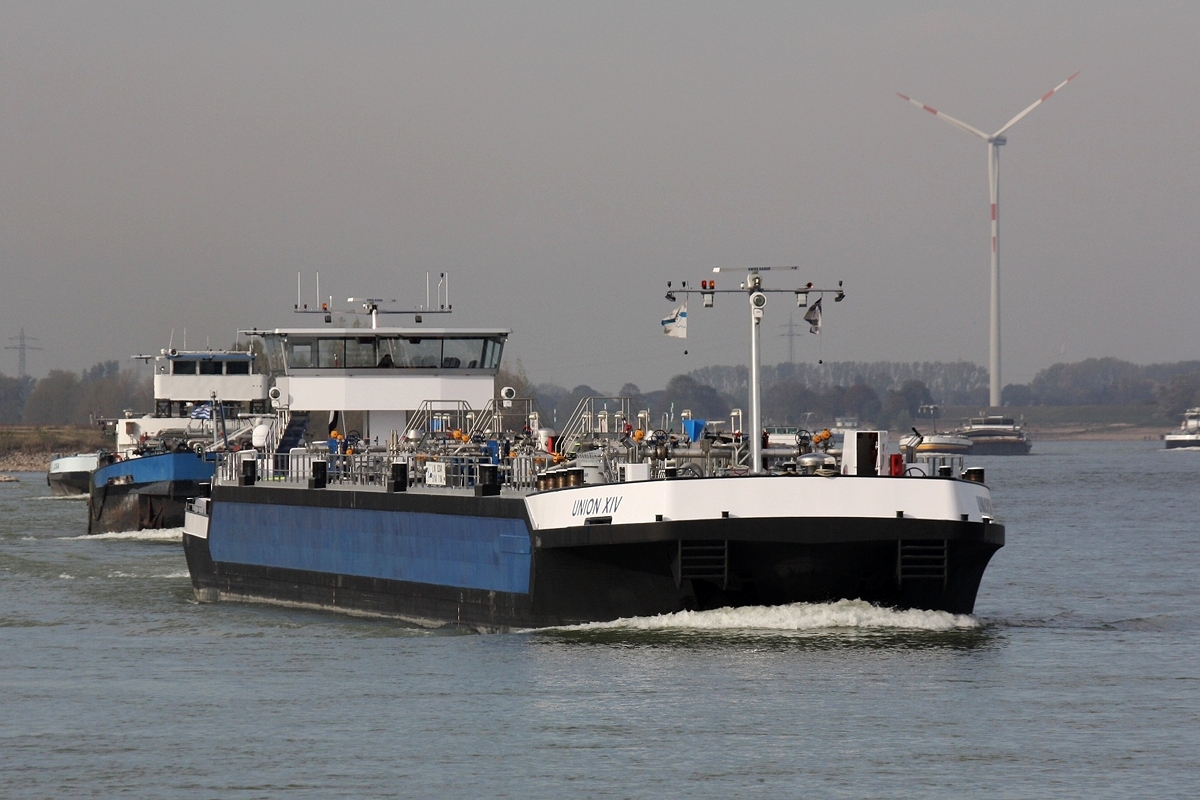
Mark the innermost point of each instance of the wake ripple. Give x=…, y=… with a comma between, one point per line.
x=156, y=535
x=851, y=614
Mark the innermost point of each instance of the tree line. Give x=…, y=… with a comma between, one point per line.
x=786, y=400
x=69, y=398
x=884, y=393
x=1109, y=381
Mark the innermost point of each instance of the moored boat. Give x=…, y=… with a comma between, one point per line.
x=1188, y=434
x=442, y=511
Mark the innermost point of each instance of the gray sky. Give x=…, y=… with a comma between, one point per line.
x=168, y=166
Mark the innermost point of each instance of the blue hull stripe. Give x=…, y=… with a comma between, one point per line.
x=154, y=469
x=467, y=552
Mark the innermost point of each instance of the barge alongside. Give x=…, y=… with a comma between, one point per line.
x=203, y=401
x=70, y=476
x=438, y=502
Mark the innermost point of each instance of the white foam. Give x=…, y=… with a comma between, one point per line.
x=66, y=577
x=852, y=614
x=175, y=574
x=148, y=535
x=72, y=498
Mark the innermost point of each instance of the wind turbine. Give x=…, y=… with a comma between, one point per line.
x=994, y=141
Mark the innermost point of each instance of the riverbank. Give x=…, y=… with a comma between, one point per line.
x=29, y=448
x=25, y=462
x=1083, y=432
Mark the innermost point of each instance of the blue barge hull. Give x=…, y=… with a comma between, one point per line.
x=146, y=492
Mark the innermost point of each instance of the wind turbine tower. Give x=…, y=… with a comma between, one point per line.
x=993, y=142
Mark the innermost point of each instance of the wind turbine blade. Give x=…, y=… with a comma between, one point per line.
x=1036, y=103
x=962, y=126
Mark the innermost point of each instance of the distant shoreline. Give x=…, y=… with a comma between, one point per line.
x=1095, y=433
x=40, y=462
x=25, y=462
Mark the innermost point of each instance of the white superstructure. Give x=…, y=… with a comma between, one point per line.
x=371, y=381
x=195, y=391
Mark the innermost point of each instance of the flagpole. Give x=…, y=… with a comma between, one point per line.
x=212, y=418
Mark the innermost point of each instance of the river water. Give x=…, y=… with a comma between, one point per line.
x=1078, y=676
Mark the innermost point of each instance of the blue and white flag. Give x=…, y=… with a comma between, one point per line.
x=676, y=324
x=813, y=317
x=202, y=411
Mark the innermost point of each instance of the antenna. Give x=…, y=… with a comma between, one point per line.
x=757, y=294
x=300, y=304
x=21, y=346
x=373, y=306
x=993, y=142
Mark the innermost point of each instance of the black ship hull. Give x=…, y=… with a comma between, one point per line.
x=588, y=573
x=1000, y=447
x=68, y=484
x=134, y=507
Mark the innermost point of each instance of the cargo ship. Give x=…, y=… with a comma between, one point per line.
x=205, y=401
x=995, y=435
x=397, y=481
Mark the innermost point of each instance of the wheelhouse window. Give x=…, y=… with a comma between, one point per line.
x=271, y=361
x=237, y=367
x=210, y=367
x=301, y=353
x=183, y=367
x=424, y=352
x=392, y=352
x=462, y=353
x=492, y=348
x=331, y=353
x=360, y=352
